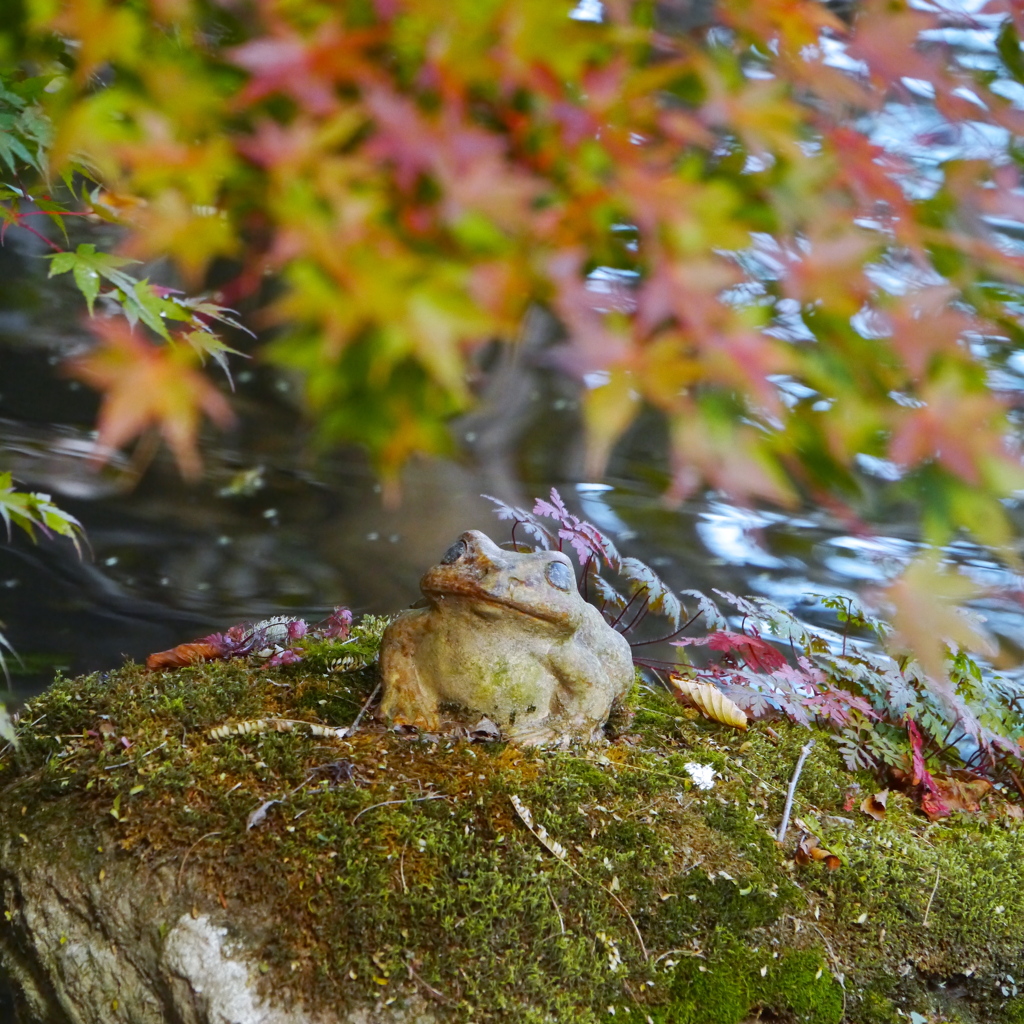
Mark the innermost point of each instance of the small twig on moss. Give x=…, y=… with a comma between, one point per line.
x=430, y=988
x=562, y=854
x=189, y=851
x=625, y=910
x=362, y=711
x=622, y=764
x=935, y=889
x=680, y=952
x=791, y=792
x=554, y=903
x=407, y=800
x=840, y=976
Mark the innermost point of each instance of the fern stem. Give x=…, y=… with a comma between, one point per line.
x=1016, y=781
x=664, y=639
x=582, y=585
x=655, y=664
x=625, y=608
x=638, y=617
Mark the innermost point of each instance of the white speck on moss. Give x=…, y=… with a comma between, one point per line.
x=703, y=775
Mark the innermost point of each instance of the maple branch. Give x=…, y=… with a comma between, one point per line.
x=791, y=792
x=38, y=234
x=54, y=213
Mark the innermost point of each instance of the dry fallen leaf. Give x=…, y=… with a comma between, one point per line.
x=807, y=849
x=963, y=795
x=184, y=654
x=873, y=804
x=259, y=814
x=710, y=701
x=485, y=731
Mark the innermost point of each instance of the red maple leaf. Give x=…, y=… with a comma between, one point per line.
x=758, y=654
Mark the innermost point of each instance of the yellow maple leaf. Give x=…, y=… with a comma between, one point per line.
x=927, y=600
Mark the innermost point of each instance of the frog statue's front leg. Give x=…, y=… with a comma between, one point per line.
x=578, y=703
x=591, y=678
x=408, y=700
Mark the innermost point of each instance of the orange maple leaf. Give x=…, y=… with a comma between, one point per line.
x=146, y=385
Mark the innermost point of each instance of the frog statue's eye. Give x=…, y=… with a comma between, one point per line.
x=454, y=553
x=560, y=575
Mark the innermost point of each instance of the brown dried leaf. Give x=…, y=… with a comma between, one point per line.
x=809, y=849
x=710, y=701
x=963, y=795
x=184, y=654
x=804, y=849
x=873, y=804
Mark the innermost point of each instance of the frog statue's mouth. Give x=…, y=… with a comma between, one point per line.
x=541, y=585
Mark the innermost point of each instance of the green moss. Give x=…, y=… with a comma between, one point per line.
x=674, y=904
x=733, y=981
x=1013, y=1012
x=876, y=1008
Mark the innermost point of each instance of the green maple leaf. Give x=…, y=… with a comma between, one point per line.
x=143, y=303
x=89, y=266
x=1008, y=45
x=207, y=344
x=35, y=511
x=12, y=147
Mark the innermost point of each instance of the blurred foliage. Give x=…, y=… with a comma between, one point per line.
x=788, y=292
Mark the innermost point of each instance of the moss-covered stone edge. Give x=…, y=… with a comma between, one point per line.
x=397, y=864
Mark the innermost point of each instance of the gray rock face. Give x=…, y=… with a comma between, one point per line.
x=94, y=952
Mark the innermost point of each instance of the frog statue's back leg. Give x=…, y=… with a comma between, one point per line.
x=407, y=700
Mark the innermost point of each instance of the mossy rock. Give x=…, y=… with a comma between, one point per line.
x=395, y=880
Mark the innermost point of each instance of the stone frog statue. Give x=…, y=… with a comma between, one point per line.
x=507, y=636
